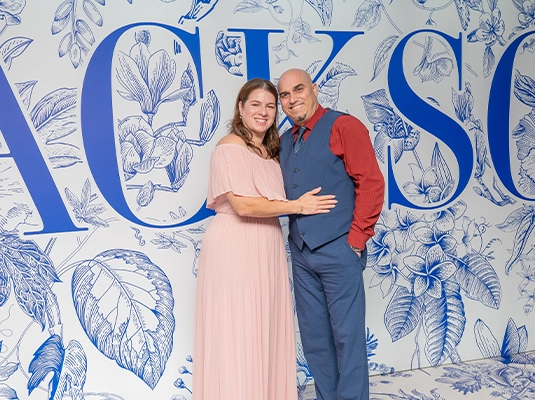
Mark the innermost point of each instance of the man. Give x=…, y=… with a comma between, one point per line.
x=332, y=150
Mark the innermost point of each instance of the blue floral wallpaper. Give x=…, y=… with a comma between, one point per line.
x=109, y=113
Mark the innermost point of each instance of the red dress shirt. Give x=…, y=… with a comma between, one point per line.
x=350, y=140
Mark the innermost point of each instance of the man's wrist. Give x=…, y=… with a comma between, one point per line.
x=356, y=249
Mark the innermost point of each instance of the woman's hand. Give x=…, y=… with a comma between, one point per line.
x=313, y=204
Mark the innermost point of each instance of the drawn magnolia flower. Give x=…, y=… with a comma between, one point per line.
x=9, y=11
x=229, y=53
x=146, y=77
x=526, y=16
x=141, y=151
x=430, y=271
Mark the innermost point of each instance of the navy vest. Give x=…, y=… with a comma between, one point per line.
x=315, y=165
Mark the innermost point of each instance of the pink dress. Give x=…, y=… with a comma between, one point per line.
x=244, y=339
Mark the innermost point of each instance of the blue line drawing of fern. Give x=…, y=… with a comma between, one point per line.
x=198, y=10
x=229, y=53
x=9, y=13
x=424, y=264
x=122, y=294
x=297, y=28
x=463, y=104
x=146, y=77
x=13, y=48
x=79, y=38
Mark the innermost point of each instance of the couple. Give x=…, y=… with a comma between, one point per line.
x=244, y=343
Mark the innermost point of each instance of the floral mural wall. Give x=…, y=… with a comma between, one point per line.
x=109, y=112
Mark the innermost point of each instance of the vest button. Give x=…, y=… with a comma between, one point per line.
x=302, y=234
x=296, y=169
x=298, y=217
x=295, y=186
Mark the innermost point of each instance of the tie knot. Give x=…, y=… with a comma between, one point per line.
x=302, y=129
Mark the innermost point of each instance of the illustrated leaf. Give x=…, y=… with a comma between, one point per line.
x=513, y=220
x=444, y=323
x=7, y=393
x=488, y=61
x=381, y=54
x=248, y=6
x=8, y=369
x=62, y=155
x=403, y=313
x=464, y=12
x=63, y=10
x=443, y=173
x=521, y=237
x=330, y=86
x=487, y=343
x=14, y=47
x=324, y=8
x=210, y=115
x=47, y=359
x=477, y=278
x=515, y=339
x=54, y=116
x=92, y=12
x=5, y=286
x=525, y=89
x=125, y=305
x=65, y=44
x=25, y=90
x=476, y=5
x=368, y=13
x=73, y=372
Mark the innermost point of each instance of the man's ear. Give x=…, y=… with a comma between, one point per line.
x=315, y=89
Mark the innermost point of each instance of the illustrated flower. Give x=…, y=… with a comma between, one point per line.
x=430, y=271
x=526, y=16
x=491, y=29
x=381, y=246
x=229, y=53
x=9, y=10
x=433, y=66
x=425, y=185
x=146, y=76
x=141, y=151
x=429, y=237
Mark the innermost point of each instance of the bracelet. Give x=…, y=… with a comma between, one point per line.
x=355, y=249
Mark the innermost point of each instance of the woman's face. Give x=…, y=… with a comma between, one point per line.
x=258, y=111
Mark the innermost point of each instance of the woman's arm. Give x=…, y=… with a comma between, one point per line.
x=260, y=207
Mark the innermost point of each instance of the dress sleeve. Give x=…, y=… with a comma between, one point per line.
x=234, y=169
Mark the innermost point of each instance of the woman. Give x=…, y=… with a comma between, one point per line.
x=244, y=343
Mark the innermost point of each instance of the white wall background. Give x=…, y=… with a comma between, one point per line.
x=94, y=137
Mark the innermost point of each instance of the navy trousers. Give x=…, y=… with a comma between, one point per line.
x=330, y=302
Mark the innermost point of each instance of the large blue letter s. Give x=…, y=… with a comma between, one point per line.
x=429, y=118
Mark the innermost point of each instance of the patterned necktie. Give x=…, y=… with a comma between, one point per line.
x=300, y=138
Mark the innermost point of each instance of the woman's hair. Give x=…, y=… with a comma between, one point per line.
x=236, y=126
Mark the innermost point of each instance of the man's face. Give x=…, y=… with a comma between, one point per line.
x=298, y=96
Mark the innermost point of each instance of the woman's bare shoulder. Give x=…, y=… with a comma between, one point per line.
x=231, y=139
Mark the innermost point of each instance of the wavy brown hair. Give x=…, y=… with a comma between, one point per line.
x=236, y=126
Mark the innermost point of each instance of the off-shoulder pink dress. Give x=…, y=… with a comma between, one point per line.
x=244, y=343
